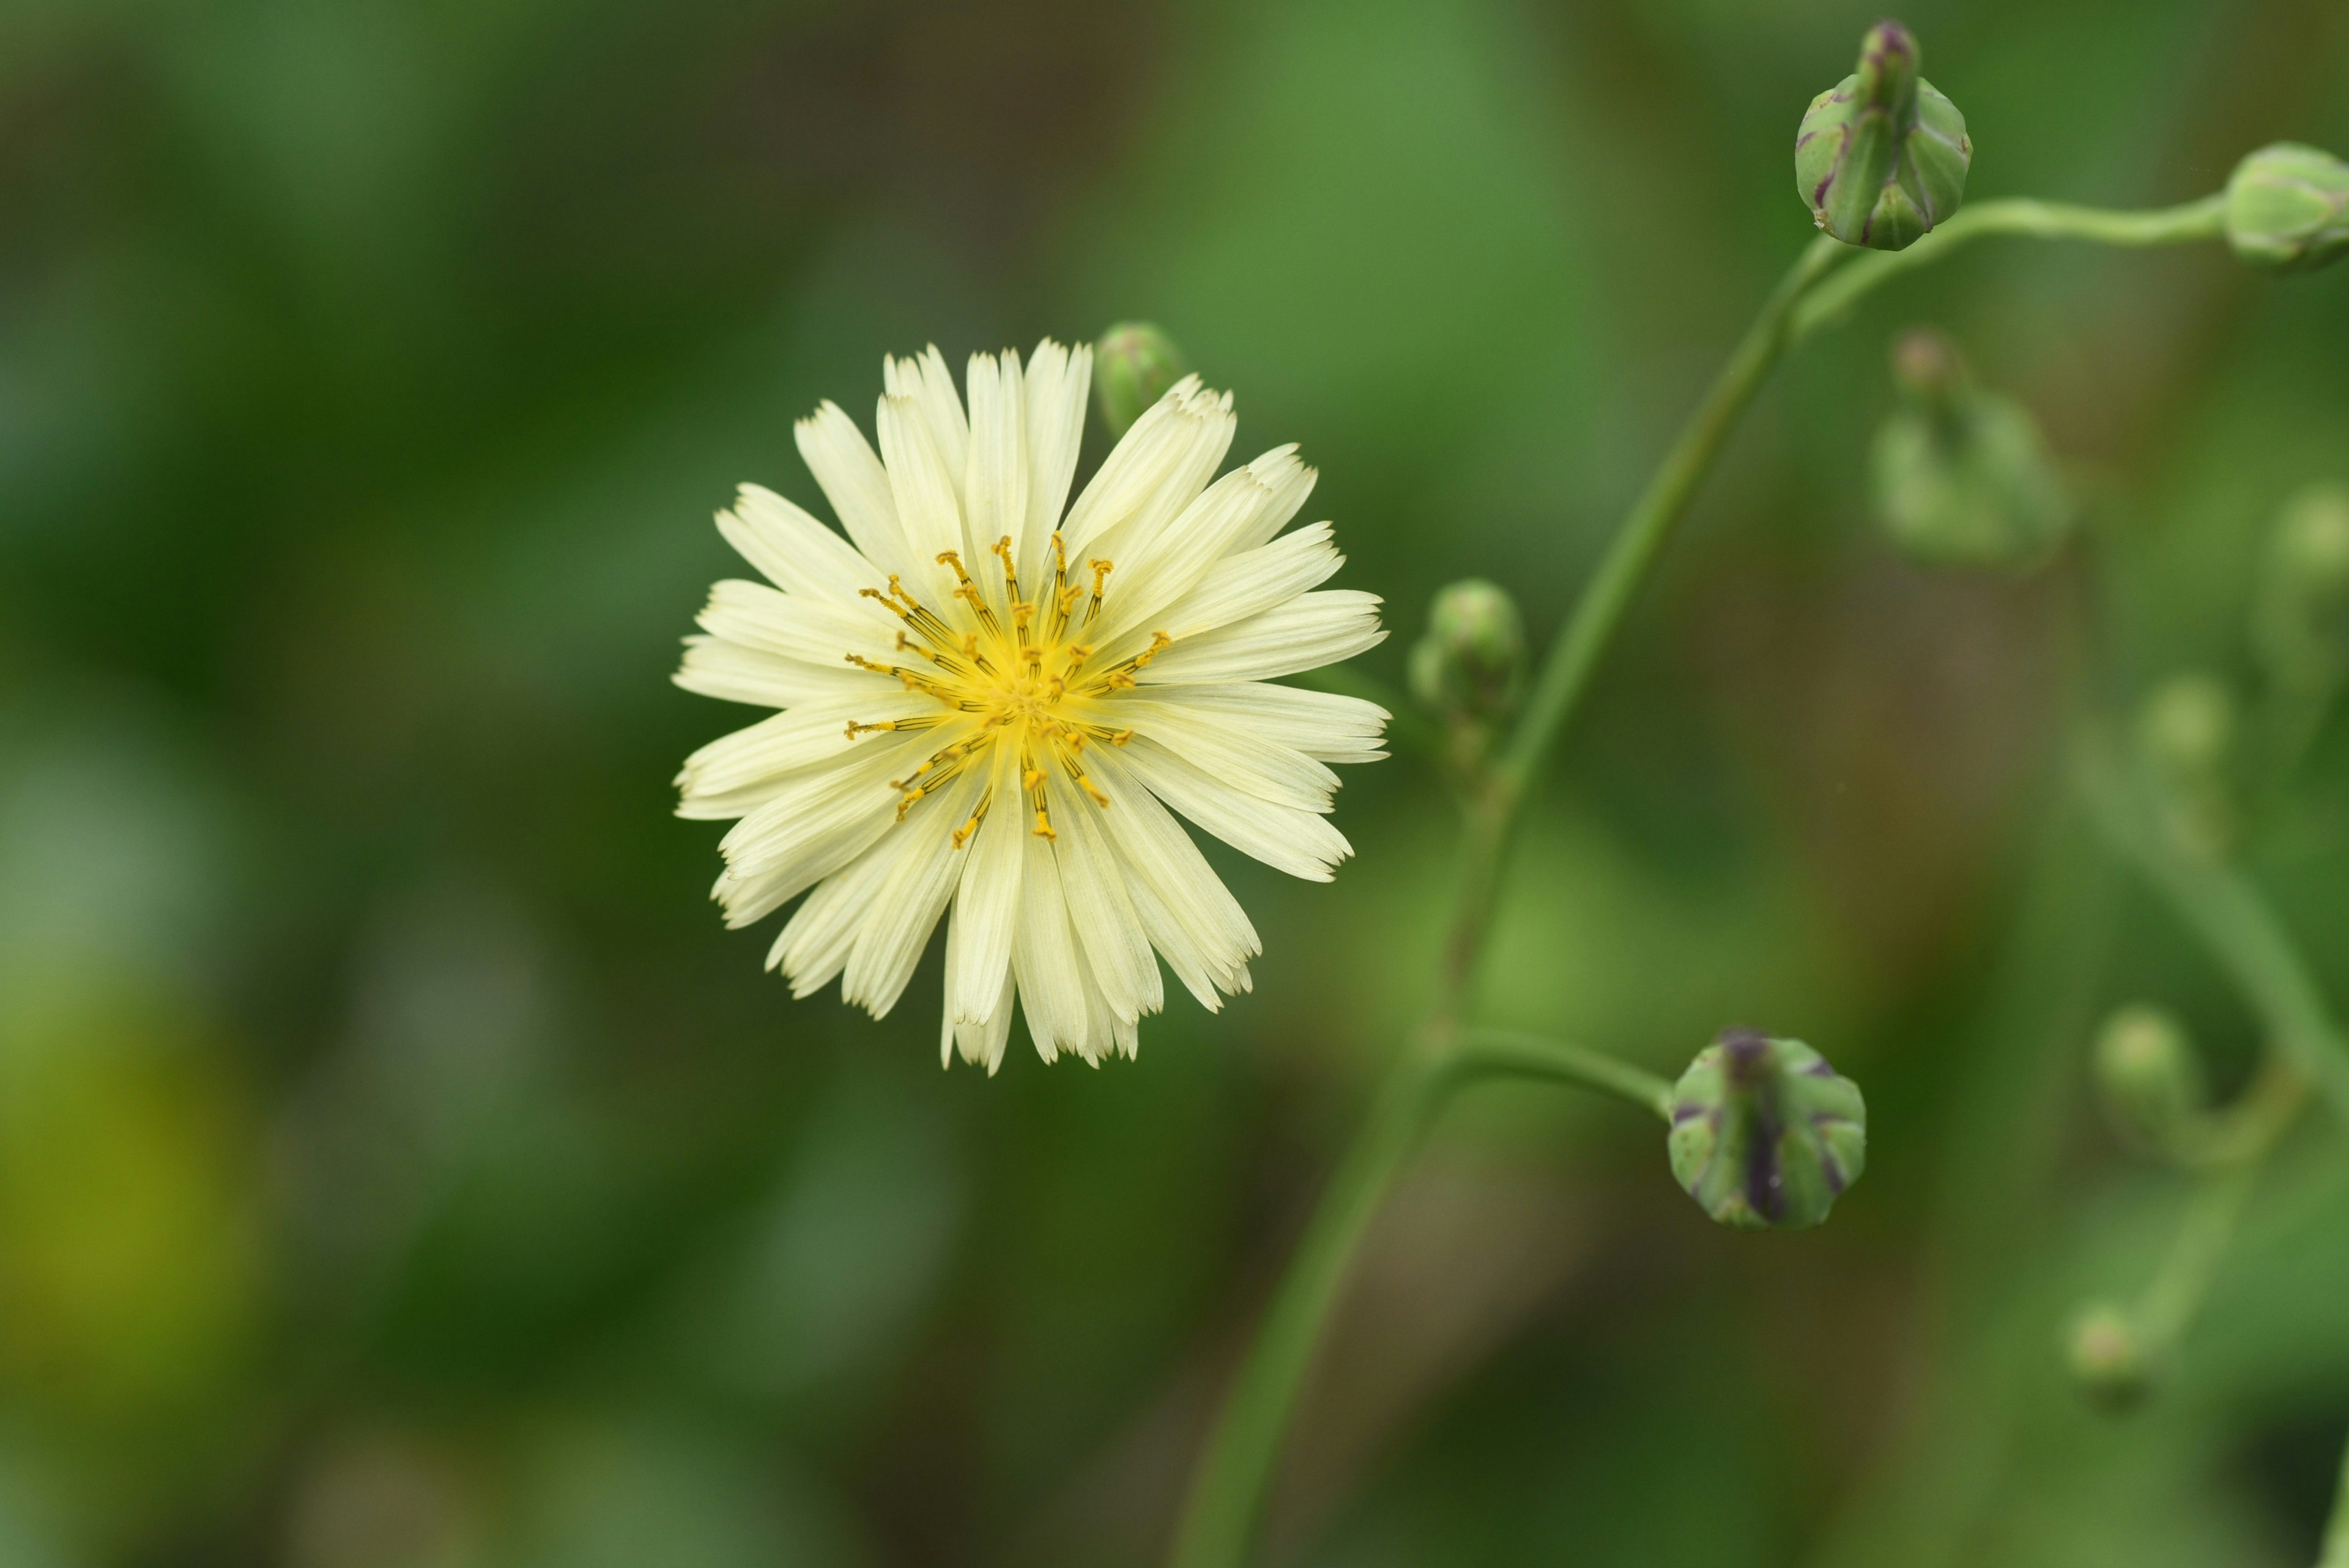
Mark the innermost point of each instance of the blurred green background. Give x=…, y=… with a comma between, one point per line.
x=400, y=1167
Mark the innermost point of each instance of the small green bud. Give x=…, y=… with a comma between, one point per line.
x=2186, y=734
x=1133, y=364
x=1882, y=157
x=2107, y=1357
x=2301, y=617
x=1765, y=1135
x=2288, y=208
x=2148, y=1076
x=1958, y=475
x=2187, y=727
x=1470, y=666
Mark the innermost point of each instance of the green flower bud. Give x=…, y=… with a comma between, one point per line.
x=2299, y=619
x=1882, y=157
x=1133, y=364
x=2150, y=1077
x=2187, y=727
x=2288, y=208
x=2107, y=1357
x=1471, y=663
x=1960, y=476
x=2186, y=734
x=1765, y=1135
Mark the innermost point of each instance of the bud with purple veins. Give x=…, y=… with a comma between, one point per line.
x=1766, y=1135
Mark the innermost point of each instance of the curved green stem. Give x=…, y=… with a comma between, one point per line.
x=2222, y=907
x=2180, y=225
x=1229, y=1490
x=1227, y=1493
x=2167, y=1307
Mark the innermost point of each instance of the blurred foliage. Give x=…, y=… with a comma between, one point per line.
x=399, y=1167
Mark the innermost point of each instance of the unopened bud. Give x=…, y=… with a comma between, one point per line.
x=1765, y=1135
x=1133, y=364
x=2187, y=727
x=1959, y=475
x=1471, y=663
x=2107, y=1357
x=2150, y=1077
x=2288, y=208
x=2301, y=619
x=1882, y=157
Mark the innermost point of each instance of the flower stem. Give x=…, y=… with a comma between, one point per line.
x=2222, y=907
x=2336, y=1533
x=1227, y=1490
x=1230, y=1489
x=2180, y=225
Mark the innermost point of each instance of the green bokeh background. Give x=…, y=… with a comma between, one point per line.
x=401, y=1168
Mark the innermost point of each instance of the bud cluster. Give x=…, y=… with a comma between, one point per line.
x=2150, y=1080
x=1959, y=475
x=1469, y=666
x=2186, y=732
x=1133, y=364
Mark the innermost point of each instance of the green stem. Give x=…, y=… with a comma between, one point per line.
x=2222, y=907
x=2180, y=225
x=2175, y=1292
x=2336, y=1533
x=1228, y=1491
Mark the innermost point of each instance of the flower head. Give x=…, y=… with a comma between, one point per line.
x=987, y=707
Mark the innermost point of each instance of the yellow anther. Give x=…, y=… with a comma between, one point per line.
x=1044, y=826
x=954, y=558
x=898, y=589
x=855, y=729
x=1121, y=738
x=1033, y=778
x=1091, y=788
x=1102, y=569
x=1067, y=597
x=1159, y=643
x=970, y=644
x=1059, y=555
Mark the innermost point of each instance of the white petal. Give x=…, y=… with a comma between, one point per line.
x=1309, y=630
x=1300, y=842
x=1164, y=461
x=930, y=500
x=797, y=825
x=995, y=484
x=1178, y=560
x=1058, y=382
x=928, y=382
x=792, y=550
x=820, y=631
x=1190, y=916
x=1255, y=581
x=1234, y=758
x=907, y=908
x=981, y=1044
x=1106, y=925
x=1322, y=724
x=815, y=942
x=852, y=480
x=1045, y=956
x=801, y=737
x=987, y=904
x=716, y=667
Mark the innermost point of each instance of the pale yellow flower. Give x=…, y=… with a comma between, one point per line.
x=987, y=707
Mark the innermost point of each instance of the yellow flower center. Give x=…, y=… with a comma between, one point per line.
x=1024, y=682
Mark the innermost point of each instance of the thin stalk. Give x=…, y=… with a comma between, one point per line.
x=2175, y=1292
x=2221, y=906
x=2336, y=1533
x=2180, y=225
x=1492, y=1053
x=1228, y=1491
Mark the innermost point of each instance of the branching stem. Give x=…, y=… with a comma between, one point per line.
x=1227, y=1490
